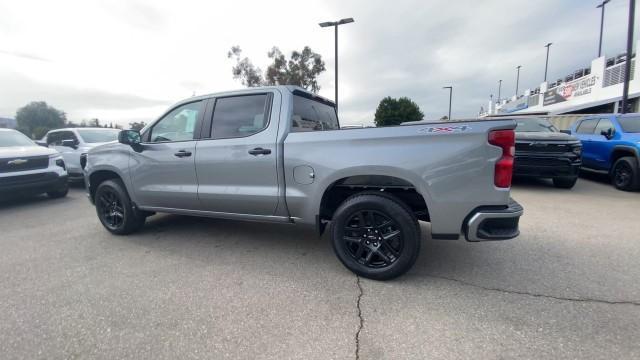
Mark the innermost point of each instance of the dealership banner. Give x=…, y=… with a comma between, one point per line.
x=516, y=105
x=570, y=90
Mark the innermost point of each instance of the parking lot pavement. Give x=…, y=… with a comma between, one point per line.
x=202, y=288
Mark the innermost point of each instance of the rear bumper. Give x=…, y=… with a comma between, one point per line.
x=485, y=224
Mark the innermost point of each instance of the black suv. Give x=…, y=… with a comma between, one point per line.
x=544, y=152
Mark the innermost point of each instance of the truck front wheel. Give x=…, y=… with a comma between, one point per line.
x=375, y=236
x=115, y=210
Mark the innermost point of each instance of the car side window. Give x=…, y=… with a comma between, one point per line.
x=239, y=116
x=67, y=135
x=53, y=138
x=177, y=125
x=604, y=125
x=587, y=126
x=310, y=115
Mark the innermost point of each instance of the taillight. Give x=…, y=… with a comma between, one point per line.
x=505, y=139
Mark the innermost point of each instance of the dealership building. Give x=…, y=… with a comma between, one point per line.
x=589, y=90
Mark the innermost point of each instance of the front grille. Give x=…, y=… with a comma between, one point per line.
x=26, y=179
x=540, y=161
x=542, y=147
x=24, y=163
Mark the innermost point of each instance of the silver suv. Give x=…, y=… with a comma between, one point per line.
x=26, y=167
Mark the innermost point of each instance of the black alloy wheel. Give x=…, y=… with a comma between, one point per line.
x=375, y=235
x=111, y=210
x=373, y=239
x=622, y=175
x=115, y=209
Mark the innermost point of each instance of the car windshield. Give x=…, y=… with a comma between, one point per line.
x=535, y=125
x=630, y=124
x=98, y=136
x=14, y=138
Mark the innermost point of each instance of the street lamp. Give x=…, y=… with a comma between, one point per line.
x=499, y=88
x=517, y=79
x=546, y=63
x=335, y=24
x=604, y=2
x=627, y=65
x=450, y=96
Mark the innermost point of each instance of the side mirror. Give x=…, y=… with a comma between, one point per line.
x=41, y=143
x=70, y=143
x=607, y=133
x=568, y=132
x=131, y=138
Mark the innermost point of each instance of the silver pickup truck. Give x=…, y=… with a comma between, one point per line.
x=277, y=154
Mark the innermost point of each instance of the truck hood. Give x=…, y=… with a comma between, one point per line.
x=544, y=136
x=25, y=151
x=88, y=146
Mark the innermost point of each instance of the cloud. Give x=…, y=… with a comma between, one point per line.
x=23, y=55
x=78, y=102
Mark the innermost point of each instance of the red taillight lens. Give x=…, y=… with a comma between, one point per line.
x=505, y=139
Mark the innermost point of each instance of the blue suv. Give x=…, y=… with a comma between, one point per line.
x=611, y=144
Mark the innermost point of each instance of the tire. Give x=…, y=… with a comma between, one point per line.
x=59, y=193
x=565, y=182
x=375, y=236
x=625, y=174
x=115, y=210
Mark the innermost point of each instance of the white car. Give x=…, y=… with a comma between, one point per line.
x=28, y=168
x=73, y=142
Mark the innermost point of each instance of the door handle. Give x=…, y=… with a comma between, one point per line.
x=183, y=153
x=259, y=151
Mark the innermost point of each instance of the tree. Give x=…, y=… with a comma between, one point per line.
x=301, y=69
x=395, y=111
x=94, y=123
x=36, y=118
x=137, y=125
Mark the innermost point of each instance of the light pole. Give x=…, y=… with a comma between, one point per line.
x=604, y=2
x=450, y=96
x=546, y=63
x=517, y=79
x=499, y=88
x=627, y=65
x=335, y=24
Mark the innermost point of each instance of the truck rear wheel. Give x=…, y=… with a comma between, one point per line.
x=115, y=210
x=625, y=174
x=375, y=236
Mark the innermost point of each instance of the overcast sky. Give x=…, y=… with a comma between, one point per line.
x=124, y=61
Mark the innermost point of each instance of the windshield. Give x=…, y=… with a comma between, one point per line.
x=534, y=125
x=98, y=136
x=14, y=138
x=630, y=124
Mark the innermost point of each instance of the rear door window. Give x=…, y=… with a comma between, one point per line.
x=604, y=125
x=240, y=116
x=587, y=126
x=311, y=115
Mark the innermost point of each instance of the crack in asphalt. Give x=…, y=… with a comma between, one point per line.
x=361, y=320
x=516, y=292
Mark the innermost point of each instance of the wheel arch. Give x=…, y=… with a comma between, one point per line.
x=99, y=176
x=622, y=151
x=342, y=188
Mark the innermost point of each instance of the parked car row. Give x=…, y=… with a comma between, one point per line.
x=605, y=143
x=46, y=166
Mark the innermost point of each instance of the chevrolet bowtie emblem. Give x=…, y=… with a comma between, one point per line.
x=17, y=162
